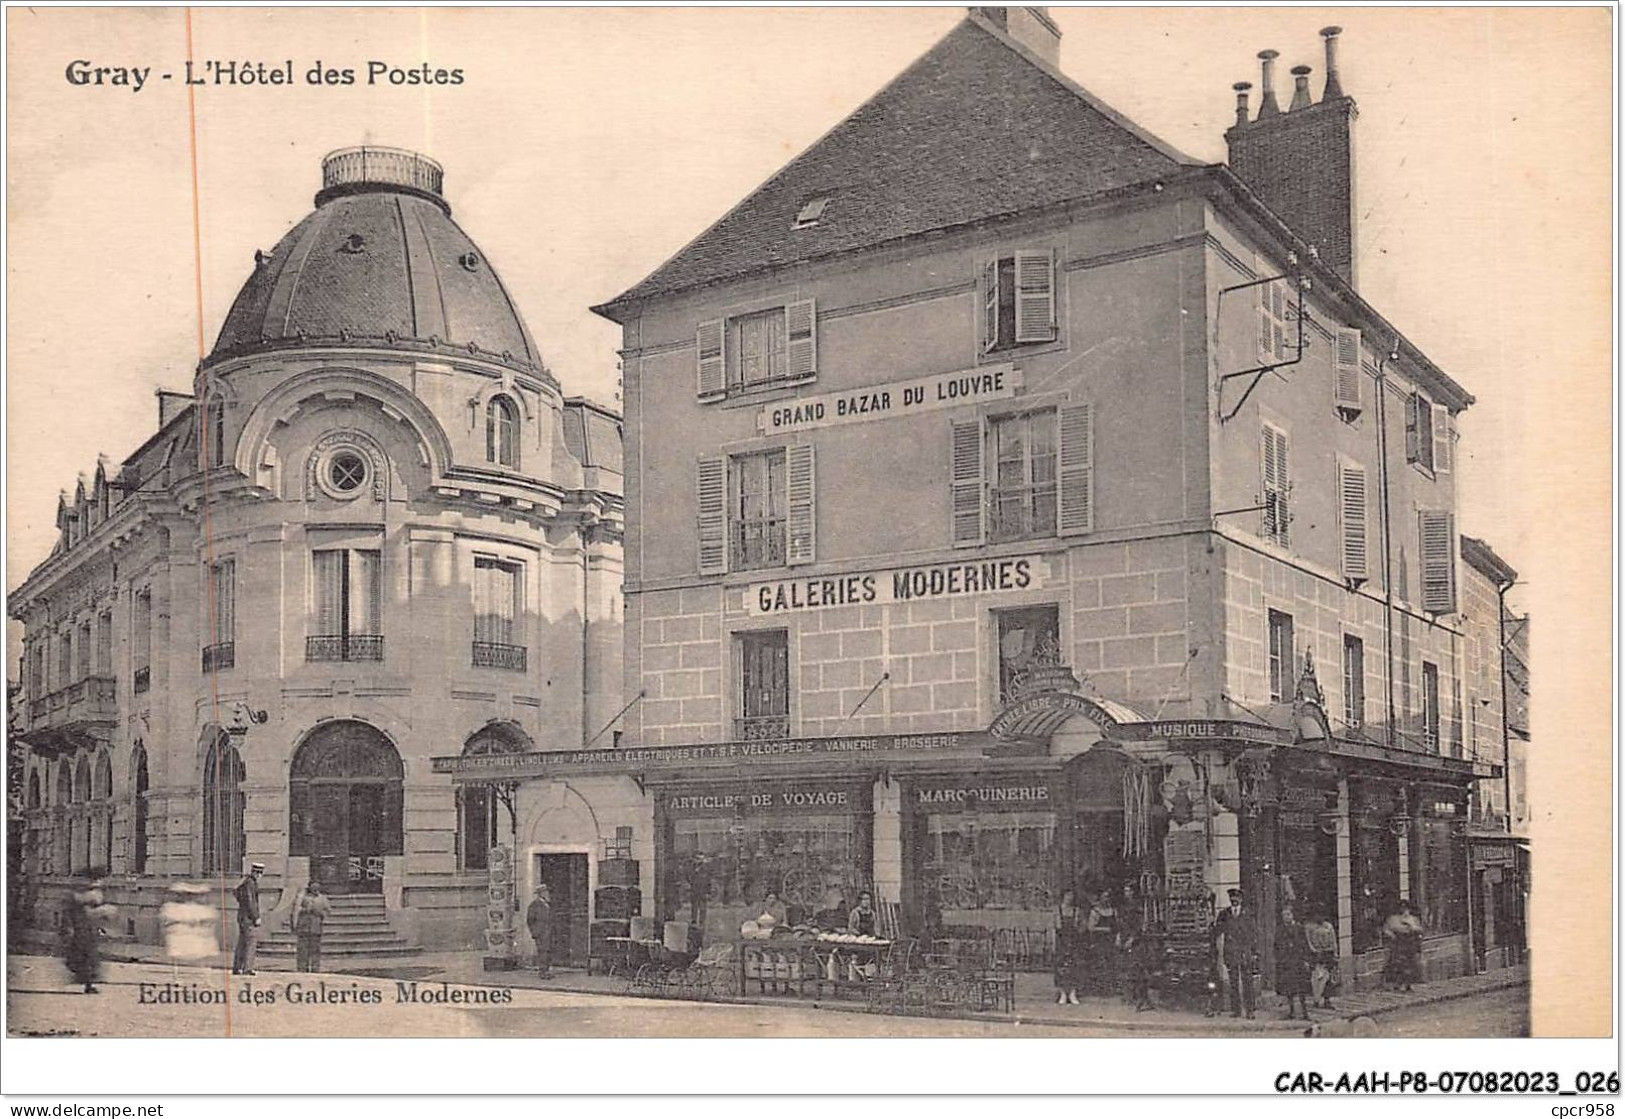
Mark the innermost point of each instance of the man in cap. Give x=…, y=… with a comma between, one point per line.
x=539, y=920
x=248, y=920
x=1237, y=943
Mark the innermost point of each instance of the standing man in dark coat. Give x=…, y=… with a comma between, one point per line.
x=248, y=920
x=539, y=920
x=1238, y=948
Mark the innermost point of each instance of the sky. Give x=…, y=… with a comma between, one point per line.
x=585, y=146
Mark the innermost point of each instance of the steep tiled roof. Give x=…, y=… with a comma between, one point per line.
x=976, y=128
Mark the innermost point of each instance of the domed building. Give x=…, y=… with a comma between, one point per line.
x=377, y=531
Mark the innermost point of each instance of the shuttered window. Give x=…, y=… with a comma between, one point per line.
x=1421, y=439
x=1347, y=372
x=1021, y=476
x=1438, y=549
x=1277, y=486
x=967, y=483
x=1351, y=520
x=1441, y=439
x=801, y=481
x=1275, y=342
x=757, y=350
x=1430, y=704
x=758, y=500
x=1018, y=300
x=1283, y=657
x=712, y=505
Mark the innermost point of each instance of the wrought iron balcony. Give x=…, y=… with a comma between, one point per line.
x=216, y=657
x=344, y=647
x=759, y=728
x=490, y=654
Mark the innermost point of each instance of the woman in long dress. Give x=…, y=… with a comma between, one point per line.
x=1068, y=948
x=86, y=911
x=1101, y=935
x=1292, y=963
x=1403, y=931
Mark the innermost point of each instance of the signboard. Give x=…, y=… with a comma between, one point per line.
x=889, y=401
x=1017, y=794
x=809, y=798
x=1190, y=902
x=547, y=763
x=941, y=580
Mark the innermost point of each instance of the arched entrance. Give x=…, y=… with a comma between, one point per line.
x=344, y=797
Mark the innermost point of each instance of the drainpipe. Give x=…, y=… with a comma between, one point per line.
x=1501, y=590
x=586, y=598
x=1387, y=538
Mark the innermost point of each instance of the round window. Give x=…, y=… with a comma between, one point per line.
x=347, y=471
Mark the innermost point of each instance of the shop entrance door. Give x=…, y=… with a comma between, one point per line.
x=345, y=800
x=566, y=879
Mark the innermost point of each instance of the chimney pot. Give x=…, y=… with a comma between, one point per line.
x=1267, y=105
x=1300, y=89
x=1334, y=88
x=1241, y=89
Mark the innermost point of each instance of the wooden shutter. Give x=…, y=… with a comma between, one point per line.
x=327, y=585
x=801, y=484
x=1347, y=390
x=966, y=481
x=1351, y=507
x=711, y=495
x=990, y=305
x=1280, y=311
x=1441, y=439
x=1035, y=297
x=1283, y=476
x=366, y=592
x=1276, y=480
x=1413, y=443
x=1272, y=303
x=712, y=371
x=1076, y=460
x=1438, y=546
x=801, y=339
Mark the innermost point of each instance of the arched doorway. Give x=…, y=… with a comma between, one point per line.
x=225, y=837
x=344, y=797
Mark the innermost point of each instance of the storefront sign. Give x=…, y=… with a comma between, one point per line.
x=943, y=580
x=548, y=763
x=761, y=800
x=884, y=402
x=982, y=795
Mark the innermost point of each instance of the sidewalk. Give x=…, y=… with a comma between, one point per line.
x=1035, y=994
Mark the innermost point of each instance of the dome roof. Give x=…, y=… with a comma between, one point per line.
x=379, y=263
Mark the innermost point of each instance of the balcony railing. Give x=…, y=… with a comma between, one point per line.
x=345, y=647
x=91, y=699
x=759, y=728
x=143, y=679
x=490, y=654
x=216, y=657
x=757, y=543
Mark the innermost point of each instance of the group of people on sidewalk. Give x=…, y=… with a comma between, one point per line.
x=1097, y=950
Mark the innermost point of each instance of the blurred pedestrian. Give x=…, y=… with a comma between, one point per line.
x=189, y=923
x=539, y=920
x=87, y=909
x=1403, y=931
x=1321, y=936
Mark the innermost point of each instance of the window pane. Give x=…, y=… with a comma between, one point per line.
x=327, y=593
x=365, y=579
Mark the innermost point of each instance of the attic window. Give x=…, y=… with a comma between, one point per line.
x=811, y=212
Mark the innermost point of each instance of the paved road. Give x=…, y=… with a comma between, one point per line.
x=154, y=1000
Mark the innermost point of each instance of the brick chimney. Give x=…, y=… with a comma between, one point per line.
x=1031, y=27
x=1301, y=162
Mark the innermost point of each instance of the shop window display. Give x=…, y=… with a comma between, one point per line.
x=1374, y=854
x=815, y=864
x=1440, y=876
x=989, y=861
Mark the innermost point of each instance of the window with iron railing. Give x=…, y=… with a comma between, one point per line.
x=347, y=586
x=1022, y=498
x=756, y=521
x=764, y=685
x=499, y=598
